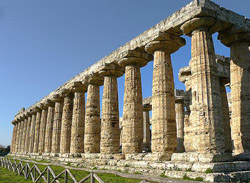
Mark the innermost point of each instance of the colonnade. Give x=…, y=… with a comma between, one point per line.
x=64, y=124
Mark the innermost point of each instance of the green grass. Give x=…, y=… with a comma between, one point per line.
x=111, y=178
x=209, y=170
x=7, y=176
x=185, y=177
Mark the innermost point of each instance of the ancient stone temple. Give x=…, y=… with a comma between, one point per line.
x=199, y=132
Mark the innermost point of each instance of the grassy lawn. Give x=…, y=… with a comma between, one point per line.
x=7, y=176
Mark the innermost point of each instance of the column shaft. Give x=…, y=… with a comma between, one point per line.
x=56, y=133
x=163, y=104
x=132, y=137
x=13, y=139
x=179, y=108
x=20, y=137
x=226, y=119
x=49, y=129
x=66, y=124
x=37, y=130
x=240, y=92
x=205, y=114
x=42, y=130
x=24, y=134
x=110, y=136
x=146, y=129
x=78, y=119
x=32, y=133
x=92, y=120
x=27, y=136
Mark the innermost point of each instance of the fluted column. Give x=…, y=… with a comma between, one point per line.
x=56, y=132
x=37, y=130
x=32, y=132
x=42, y=128
x=179, y=109
x=164, y=138
x=146, y=127
x=92, y=116
x=13, y=138
x=66, y=122
x=240, y=88
x=21, y=135
x=78, y=119
x=225, y=118
x=132, y=137
x=49, y=126
x=110, y=135
x=205, y=116
x=27, y=135
x=18, y=135
x=24, y=133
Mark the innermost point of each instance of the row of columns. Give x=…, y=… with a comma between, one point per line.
x=66, y=126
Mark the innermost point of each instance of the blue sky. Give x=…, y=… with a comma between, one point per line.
x=44, y=43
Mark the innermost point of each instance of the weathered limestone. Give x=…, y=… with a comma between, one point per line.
x=205, y=118
x=17, y=136
x=57, y=123
x=146, y=127
x=24, y=133
x=27, y=135
x=42, y=128
x=239, y=42
x=78, y=119
x=179, y=109
x=66, y=122
x=37, y=130
x=49, y=126
x=225, y=117
x=21, y=135
x=163, y=101
x=132, y=137
x=32, y=132
x=110, y=135
x=92, y=115
x=12, y=150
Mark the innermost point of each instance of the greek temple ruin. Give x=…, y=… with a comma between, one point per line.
x=190, y=131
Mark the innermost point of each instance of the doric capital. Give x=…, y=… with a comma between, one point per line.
x=111, y=70
x=211, y=24
x=56, y=98
x=94, y=79
x=184, y=74
x=66, y=93
x=77, y=87
x=169, y=43
x=147, y=107
x=229, y=37
x=137, y=57
x=49, y=103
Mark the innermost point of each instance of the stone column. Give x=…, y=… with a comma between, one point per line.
x=132, y=137
x=42, y=128
x=24, y=133
x=27, y=136
x=56, y=132
x=240, y=88
x=13, y=138
x=164, y=138
x=205, y=116
x=18, y=135
x=37, y=130
x=49, y=126
x=146, y=127
x=179, y=110
x=21, y=135
x=78, y=119
x=110, y=135
x=225, y=117
x=32, y=132
x=66, y=122
x=92, y=116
